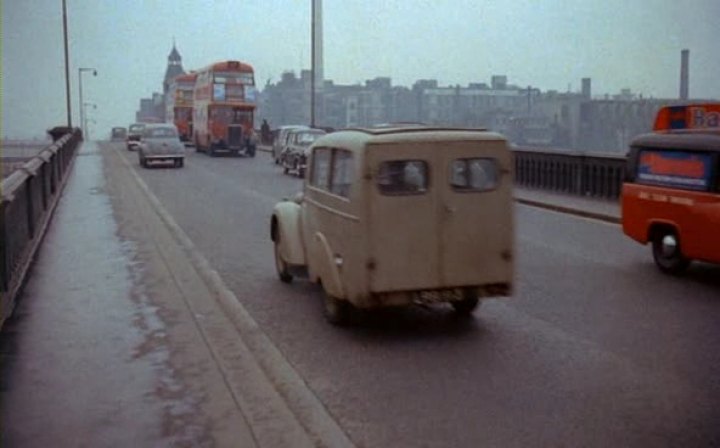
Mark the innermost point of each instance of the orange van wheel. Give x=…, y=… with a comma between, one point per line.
x=667, y=251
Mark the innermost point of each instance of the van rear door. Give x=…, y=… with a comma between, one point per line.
x=402, y=224
x=474, y=184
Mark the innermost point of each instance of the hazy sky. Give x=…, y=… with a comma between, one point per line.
x=549, y=44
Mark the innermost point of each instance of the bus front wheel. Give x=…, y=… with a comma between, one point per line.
x=667, y=252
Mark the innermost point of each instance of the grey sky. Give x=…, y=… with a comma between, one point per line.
x=546, y=44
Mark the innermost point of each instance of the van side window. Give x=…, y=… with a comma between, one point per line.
x=320, y=175
x=479, y=174
x=403, y=177
x=342, y=172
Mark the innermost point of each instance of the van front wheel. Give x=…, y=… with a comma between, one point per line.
x=281, y=266
x=667, y=252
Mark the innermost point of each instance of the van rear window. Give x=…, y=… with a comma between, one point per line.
x=479, y=174
x=685, y=170
x=403, y=177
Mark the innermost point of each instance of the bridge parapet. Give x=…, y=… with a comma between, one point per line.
x=29, y=196
x=577, y=173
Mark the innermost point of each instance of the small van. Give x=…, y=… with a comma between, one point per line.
x=671, y=193
x=396, y=216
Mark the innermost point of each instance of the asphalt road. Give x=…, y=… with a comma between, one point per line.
x=596, y=348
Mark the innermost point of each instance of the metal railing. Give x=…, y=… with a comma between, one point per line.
x=583, y=174
x=28, y=198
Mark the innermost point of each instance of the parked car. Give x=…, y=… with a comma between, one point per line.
x=281, y=140
x=161, y=142
x=118, y=134
x=294, y=156
x=395, y=216
x=133, y=136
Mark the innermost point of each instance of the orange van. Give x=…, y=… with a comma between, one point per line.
x=671, y=193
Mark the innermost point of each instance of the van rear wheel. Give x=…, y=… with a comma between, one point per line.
x=667, y=252
x=468, y=303
x=338, y=312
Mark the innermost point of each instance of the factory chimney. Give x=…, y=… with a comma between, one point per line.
x=684, y=74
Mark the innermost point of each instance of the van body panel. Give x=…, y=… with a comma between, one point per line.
x=441, y=238
x=695, y=216
x=339, y=221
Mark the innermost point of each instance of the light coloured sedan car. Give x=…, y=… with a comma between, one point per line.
x=161, y=142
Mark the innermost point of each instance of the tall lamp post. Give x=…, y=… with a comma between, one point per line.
x=67, y=65
x=312, y=64
x=82, y=113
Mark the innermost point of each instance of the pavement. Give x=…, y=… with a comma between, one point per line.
x=126, y=336
x=595, y=208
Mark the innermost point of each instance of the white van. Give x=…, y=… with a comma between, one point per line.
x=396, y=216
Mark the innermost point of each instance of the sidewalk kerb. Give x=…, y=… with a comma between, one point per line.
x=569, y=210
x=307, y=408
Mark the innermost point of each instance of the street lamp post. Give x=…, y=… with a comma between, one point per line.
x=82, y=112
x=67, y=66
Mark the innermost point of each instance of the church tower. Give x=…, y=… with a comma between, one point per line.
x=174, y=68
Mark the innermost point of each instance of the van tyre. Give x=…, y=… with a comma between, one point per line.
x=468, y=304
x=338, y=312
x=667, y=252
x=280, y=266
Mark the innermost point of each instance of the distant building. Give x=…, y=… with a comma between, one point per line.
x=526, y=115
x=152, y=110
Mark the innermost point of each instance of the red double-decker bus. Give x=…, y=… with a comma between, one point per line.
x=179, y=107
x=223, y=109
